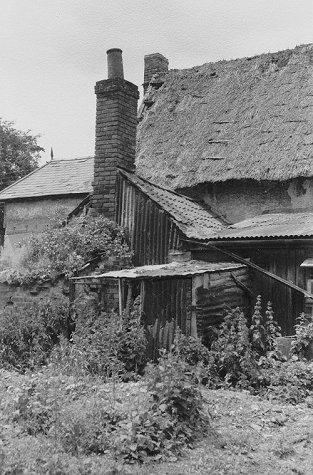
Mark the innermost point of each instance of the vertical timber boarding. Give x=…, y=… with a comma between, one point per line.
x=284, y=261
x=167, y=308
x=151, y=230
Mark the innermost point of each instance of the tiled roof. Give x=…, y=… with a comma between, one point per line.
x=167, y=270
x=272, y=225
x=193, y=219
x=58, y=177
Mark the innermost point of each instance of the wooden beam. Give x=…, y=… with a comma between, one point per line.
x=241, y=284
x=242, y=260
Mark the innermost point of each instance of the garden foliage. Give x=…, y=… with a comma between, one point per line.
x=29, y=333
x=63, y=249
x=105, y=344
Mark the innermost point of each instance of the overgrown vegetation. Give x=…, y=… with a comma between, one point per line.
x=28, y=334
x=95, y=395
x=63, y=249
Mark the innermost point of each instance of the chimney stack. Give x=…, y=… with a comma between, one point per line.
x=155, y=63
x=116, y=126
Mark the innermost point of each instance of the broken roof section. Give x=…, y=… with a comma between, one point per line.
x=174, y=269
x=57, y=177
x=192, y=218
x=271, y=225
x=248, y=118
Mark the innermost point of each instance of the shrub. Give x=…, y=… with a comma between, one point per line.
x=191, y=350
x=28, y=334
x=64, y=249
x=234, y=360
x=304, y=335
x=175, y=416
x=105, y=344
x=289, y=381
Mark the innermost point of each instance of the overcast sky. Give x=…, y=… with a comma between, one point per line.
x=53, y=51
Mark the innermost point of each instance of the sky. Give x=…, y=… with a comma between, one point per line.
x=53, y=52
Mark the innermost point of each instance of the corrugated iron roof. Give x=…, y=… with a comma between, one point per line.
x=193, y=219
x=58, y=177
x=272, y=225
x=174, y=269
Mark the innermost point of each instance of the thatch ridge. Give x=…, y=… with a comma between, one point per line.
x=249, y=118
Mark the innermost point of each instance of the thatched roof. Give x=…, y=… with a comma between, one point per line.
x=246, y=118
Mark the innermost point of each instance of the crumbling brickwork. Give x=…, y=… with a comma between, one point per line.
x=154, y=63
x=116, y=122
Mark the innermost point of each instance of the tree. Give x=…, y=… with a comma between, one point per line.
x=19, y=153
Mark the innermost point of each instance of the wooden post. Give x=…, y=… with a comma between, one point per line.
x=120, y=296
x=193, y=329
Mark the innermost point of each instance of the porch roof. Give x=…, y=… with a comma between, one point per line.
x=173, y=269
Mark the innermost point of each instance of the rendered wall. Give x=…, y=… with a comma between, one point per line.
x=24, y=218
x=239, y=200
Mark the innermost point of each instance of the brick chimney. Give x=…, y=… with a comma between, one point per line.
x=116, y=124
x=155, y=63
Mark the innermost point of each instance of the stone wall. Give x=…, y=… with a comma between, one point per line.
x=239, y=200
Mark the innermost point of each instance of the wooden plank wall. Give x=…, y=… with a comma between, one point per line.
x=216, y=292
x=166, y=305
x=283, y=260
x=287, y=303
x=152, y=232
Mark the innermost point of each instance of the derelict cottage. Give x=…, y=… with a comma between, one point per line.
x=217, y=199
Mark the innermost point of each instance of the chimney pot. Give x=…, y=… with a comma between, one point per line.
x=115, y=63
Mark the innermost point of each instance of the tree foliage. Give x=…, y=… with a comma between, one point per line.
x=19, y=153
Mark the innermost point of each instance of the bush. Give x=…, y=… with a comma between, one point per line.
x=28, y=334
x=191, y=350
x=105, y=344
x=304, y=336
x=64, y=249
x=289, y=381
x=234, y=359
x=175, y=416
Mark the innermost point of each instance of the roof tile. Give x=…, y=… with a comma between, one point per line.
x=192, y=218
x=57, y=177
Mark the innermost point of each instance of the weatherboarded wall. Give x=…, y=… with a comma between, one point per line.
x=239, y=200
x=151, y=230
x=215, y=293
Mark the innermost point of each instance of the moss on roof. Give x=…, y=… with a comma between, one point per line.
x=246, y=118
